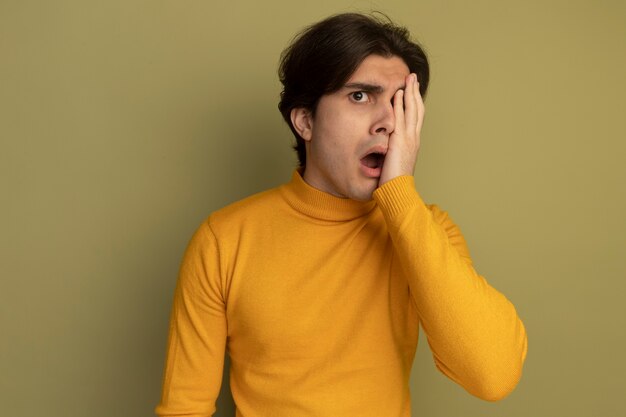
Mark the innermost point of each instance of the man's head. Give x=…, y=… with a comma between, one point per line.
x=325, y=55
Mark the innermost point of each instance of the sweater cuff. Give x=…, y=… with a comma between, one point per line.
x=397, y=195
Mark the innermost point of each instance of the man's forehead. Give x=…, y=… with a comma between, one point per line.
x=380, y=72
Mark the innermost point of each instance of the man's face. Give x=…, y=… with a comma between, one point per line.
x=351, y=126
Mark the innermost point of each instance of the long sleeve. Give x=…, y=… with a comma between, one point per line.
x=197, y=333
x=474, y=332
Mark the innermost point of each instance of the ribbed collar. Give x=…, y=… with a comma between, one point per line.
x=321, y=205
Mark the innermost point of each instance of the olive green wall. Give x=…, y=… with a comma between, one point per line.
x=124, y=123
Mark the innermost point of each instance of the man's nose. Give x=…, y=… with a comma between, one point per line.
x=384, y=120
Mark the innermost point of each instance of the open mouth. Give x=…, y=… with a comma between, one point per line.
x=372, y=163
x=373, y=160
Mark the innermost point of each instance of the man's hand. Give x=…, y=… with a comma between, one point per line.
x=404, y=142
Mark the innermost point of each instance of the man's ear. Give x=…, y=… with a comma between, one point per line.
x=303, y=122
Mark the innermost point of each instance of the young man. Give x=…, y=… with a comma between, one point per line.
x=316, y=289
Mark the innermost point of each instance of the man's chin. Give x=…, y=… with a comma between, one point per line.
x=365, y=194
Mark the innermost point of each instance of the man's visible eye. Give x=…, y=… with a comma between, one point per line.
x=359, y=96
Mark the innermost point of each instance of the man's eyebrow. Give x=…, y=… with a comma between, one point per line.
x=368, y=88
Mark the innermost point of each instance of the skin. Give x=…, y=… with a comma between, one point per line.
x=379, y=108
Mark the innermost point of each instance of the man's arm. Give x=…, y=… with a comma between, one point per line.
x=474, y=332
x=197, y=334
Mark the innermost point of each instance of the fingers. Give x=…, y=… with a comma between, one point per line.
x=410, y=103
x=398, y=109
x=404, y=141
x=409, y=108
x=421, y=109
x=414, y=105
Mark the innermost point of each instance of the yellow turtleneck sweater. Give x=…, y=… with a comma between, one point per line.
x=318, y=302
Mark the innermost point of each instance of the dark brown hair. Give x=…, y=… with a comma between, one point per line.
x=324, y=55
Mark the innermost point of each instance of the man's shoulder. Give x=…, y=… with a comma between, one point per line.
x=250, y=209
x=453, y=231
x=441, y=217
x=438, y=213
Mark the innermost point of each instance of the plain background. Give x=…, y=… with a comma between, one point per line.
x=123, y=124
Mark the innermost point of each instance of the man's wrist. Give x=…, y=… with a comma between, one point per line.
x=396, y=195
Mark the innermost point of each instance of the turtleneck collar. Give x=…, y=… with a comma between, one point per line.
x=321, y=205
